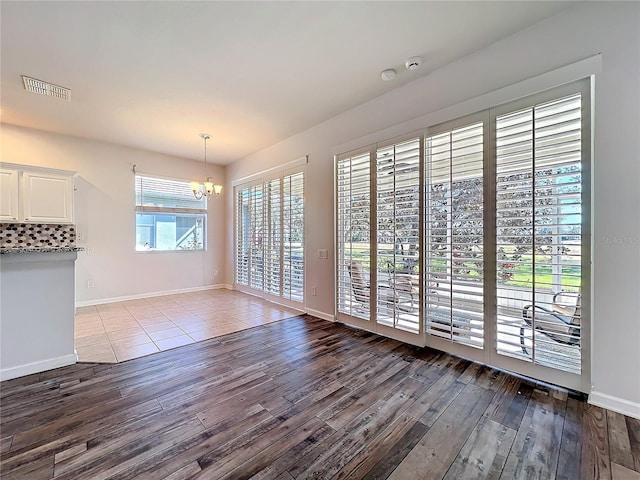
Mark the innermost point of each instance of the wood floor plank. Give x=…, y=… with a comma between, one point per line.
x=330, y=456
x=97, y=463
x=633, y=427
x=619, y=442
x=69, y=431
x=510, y=402
x=289, y=458
x=40, y=469
x=185, y=473
x=5, y=444
x=619, y=472
x=225, y=459
x=432, y=403
x=571, y=443
x=350, y=407
x=259, y=457
x=485, y=452
x=595, y=462
x=254, y=419
x=434, y=453
x=537, y=445
x=380, y=457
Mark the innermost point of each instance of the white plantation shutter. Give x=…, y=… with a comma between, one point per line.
x=257, y=248
x=270, y=237
x=454, y=243
x=398, y=234
x=353, y=232
x=243, y=235
x=539, y=231
x=293, y=242
x=273, y=239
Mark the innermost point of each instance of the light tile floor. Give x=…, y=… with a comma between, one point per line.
x=115, y=332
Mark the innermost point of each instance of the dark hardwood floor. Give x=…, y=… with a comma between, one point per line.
x=305, y=398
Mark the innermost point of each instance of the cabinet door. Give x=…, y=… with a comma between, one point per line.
x=48, y=198
x=9, y=195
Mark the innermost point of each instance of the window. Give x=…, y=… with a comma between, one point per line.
x=474, y=238
x=168, y=216
x=354, y=234
x=270, y=237
x=539, y=185
x=454, y=232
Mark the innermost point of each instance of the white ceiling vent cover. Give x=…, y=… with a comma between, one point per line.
x=43, y=88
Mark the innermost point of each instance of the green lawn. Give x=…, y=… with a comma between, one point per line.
x=521, y=274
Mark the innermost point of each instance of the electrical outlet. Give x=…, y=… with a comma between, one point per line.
x=313, y=291
x=90, y=283
x=323, y=254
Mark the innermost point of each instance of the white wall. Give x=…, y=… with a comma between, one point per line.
x=104, y=214
x=610, y=28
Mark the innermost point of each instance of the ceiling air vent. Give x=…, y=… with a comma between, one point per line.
x=43, y=88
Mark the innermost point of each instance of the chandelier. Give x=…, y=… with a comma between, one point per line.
x=208, y=188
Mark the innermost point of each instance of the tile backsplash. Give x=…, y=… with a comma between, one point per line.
x=37, y=235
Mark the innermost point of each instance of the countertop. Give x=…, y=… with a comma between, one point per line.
x=4, y=251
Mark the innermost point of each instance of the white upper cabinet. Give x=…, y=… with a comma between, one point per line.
x=9, y=210
x=47, y=198
x=36, y=195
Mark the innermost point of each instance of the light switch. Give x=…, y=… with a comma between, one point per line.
x=323, y=254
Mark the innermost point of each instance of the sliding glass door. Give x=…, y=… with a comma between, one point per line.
x=269, y=236
x=379, y=259
x=474, y=237
x=542, y=248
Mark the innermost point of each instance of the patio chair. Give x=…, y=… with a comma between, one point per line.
x=362, y=288
x=359, y=284
x=560, y=323
x=406, y=286
x=401, y=287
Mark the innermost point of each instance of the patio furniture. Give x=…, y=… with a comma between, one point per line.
x=402, y=289
x=406, y=285
x=359, y=283
x=561, y=322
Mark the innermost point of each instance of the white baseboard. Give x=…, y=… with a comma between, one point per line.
x=625, y=407
x=139, y=296
x=36, y=367
x=319, y=314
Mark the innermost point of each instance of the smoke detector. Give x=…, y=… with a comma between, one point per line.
x=413, y=63
x=44, y=88
x=388, y=74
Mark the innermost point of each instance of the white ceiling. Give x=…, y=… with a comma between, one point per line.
x=153, y=75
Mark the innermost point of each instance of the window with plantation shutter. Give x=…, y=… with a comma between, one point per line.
x=243, y=236
x=273, y=239
x=539, y=233
x=475, y=238
x=454, y=230
x=398, y=250
x=168, y=216
x=256, y=249
x=269, y=235
x=354, y=235
x=293, y=238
